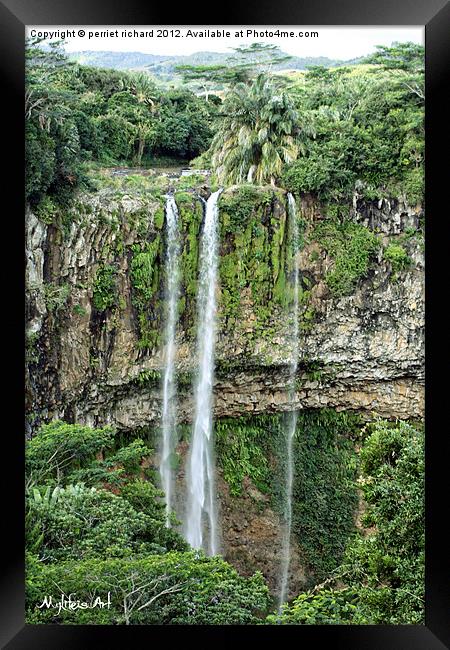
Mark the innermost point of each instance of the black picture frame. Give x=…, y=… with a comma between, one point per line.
x=435, y=16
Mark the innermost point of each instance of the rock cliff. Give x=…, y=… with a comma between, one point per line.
x=89, y=355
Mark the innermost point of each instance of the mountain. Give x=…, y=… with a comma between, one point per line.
x=164, y=66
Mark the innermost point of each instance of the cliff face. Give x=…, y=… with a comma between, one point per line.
x=94, y=350
x=95, y=307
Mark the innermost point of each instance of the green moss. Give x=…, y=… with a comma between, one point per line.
x=158, y=218
x=239, y=206
x=139, y=220
x=191, y=181
x=254, y=255
x=145, y=273
x=191, y=214
x=242, y=452
x=143, y=270
x=79, y=310
x=324, y=497
x=183, y=197
x=56, y=296
x=307, y=319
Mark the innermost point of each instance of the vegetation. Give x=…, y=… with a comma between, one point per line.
x=318, y=132
x=397, y=256
x=255, y=136
x=352, y=248
x=56, y=296
x=242, y=452
x=145, y=283
x=175, y=588
x=104, y=293
x=241, y=67
x=381, y=578
x=75, y=113
x=324, y=491
x=95, y=524
x=369, y=127
x=95, y=518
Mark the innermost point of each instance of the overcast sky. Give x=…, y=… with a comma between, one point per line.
x=333, y=42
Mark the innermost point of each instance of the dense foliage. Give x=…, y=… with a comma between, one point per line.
x=352, y=247
x=95, y=519
x=325, y=470
x=324, y=496
x=369, y=130
x=175, y=588
x=322, y=132
x=95, y=523
x=75, y=113
x=381, y=578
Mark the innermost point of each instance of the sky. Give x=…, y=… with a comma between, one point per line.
x=333, y=42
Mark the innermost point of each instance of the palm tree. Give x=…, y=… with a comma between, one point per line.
x=257, y=135
x=142, y=87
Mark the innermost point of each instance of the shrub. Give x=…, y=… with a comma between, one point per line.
x=95, y=523
x=176, y=588
x=105, y=291
x=56, y=296
x=397, y=256
x=59, y=448
x=352, y=246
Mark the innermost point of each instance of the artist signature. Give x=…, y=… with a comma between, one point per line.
x=70, y=602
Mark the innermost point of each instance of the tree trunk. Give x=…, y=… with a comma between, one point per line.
x=140, y=151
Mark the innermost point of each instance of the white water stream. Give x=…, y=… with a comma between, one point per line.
x=201, y=513
x=291, y=418
x=172, y=289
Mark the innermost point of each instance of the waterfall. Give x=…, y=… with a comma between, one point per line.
x=169, y=388
x=291, y=419
x=201, y=516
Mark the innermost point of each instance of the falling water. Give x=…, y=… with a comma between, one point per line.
x=291, y=419
x=201, y=520
x=172, y=293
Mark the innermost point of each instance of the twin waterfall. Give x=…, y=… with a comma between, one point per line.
x=200, y=518
x=200, y=527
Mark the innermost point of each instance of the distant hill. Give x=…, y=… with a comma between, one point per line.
x=164, y=66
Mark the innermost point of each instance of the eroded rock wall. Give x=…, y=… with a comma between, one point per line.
x=362, y=351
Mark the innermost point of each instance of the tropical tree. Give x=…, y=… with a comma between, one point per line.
x=408, y=60
x=52, y=153
x=141, y=86
x=258, y=134
x=242, y=67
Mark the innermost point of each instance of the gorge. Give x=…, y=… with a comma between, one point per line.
x=224, y=374
x=95, y=356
